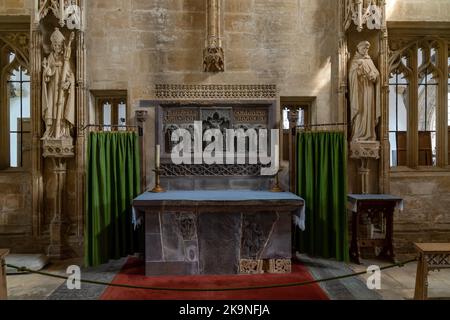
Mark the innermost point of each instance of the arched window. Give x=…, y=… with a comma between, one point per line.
x=428, y=81
x=398, y=112
x=417, y=111
x=15, y=110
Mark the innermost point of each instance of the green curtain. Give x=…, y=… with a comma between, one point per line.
x=322, y=183
x=112, y=182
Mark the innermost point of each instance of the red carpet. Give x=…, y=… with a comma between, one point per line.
x=133, y=273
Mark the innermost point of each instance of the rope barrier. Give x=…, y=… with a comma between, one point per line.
x=294, y=284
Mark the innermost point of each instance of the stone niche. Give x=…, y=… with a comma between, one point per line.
x=213, y=115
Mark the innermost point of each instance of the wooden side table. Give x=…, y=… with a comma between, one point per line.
x=432, y=256
x=383, y=205
x=3, y=288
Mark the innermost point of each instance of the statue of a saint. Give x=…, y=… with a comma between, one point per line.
x=58, y=89
x=364, y=86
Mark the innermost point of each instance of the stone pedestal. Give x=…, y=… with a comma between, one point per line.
x=59, y=150
x=364, y=151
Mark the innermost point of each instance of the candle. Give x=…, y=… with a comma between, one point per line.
x=277, y=157
x=61, y=8
x=36, y=11
x=158, y=155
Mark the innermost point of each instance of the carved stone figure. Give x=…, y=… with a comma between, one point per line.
x=213, y=60
x=364, y=88
x=58, y=89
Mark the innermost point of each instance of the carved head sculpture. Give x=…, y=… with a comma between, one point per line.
x=363, y=48
x=57, y=39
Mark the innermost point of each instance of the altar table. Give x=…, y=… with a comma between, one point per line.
x=218, y=232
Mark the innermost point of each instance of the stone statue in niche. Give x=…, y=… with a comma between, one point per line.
x=58, y=89
x=364, y=86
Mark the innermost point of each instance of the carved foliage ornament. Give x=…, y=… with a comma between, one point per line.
x=181, y=91
x=249, y=266
x=279, y=266
x=213, y=59
x=68, y=12
x=364, y=12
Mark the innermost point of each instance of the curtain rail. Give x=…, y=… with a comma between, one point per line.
x=102, y=126
x=322, y=125
x=336, y=126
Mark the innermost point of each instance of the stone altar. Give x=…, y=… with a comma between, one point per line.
x=217, y=232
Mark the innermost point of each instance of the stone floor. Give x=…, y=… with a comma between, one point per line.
x=37, y=287
x=397, y=283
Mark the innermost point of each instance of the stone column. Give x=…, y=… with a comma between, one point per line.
x=141, y=118
x=293, y=120
x=364, y=152
x=82, y=117
x=36, y=127
x=213, y=57
x=384, y=168
x=59, y=225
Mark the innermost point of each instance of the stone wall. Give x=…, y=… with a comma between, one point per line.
x=16, y=225
x=136, y=44
x=16, y=7
x=418, y=10
x=426, y=216
x=16, y=222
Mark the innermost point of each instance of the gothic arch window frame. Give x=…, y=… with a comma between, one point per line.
x=7, y=71
x=400, y=67
x=409, y=46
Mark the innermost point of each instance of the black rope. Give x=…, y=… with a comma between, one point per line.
x=286, y=285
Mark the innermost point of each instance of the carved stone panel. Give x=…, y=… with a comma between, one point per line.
x=225, y=91
x=256, y=231
x=219, y=242
x=278, y=266
x=220, y=116
x=187, y=225
x=248, y=266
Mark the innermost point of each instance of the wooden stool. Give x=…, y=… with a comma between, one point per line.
x=3, y=288
x=432, y=256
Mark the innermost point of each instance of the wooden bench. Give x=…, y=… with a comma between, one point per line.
x=3, y=288
x=432, y=256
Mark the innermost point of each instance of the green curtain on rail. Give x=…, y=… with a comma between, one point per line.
x=112, y=182
x=322, y=183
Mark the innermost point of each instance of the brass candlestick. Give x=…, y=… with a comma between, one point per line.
x=276, y=187
x=157, y=188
